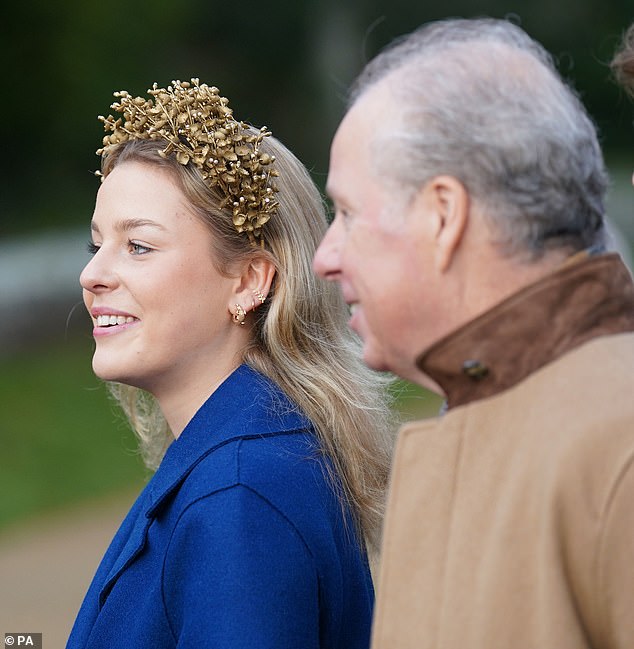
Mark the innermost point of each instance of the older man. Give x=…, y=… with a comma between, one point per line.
x=468, y=188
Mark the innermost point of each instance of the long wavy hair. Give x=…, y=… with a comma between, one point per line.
x=301, y=339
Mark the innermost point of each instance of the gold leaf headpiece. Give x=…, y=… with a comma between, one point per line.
x=198, y=127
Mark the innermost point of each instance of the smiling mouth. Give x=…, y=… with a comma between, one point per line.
x=113, y=320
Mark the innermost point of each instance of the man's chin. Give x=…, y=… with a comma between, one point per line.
x=373, y=359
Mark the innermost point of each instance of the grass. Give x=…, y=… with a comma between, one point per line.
x=413, y=402
x=62, y=439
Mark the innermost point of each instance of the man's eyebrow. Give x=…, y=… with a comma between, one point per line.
x=125, y=225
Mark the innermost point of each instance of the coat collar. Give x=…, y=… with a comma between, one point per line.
x=246, y=404
x=580, y=301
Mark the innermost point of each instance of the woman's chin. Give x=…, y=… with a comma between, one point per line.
x=107, y=372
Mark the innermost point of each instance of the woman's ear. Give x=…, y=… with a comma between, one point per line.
x=448, y=200
x=254, y=285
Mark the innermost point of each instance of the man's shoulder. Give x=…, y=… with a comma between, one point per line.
x=586, y=393
x=601, y=368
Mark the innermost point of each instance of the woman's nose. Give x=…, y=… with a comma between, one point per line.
x=98, y=274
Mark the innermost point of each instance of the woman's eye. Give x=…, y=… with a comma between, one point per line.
x=138, y=248
x=92, y=248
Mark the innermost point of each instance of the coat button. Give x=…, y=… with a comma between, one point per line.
x=475, y=370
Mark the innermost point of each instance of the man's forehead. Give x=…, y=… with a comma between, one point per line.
x=354, y=141
x=343, y=162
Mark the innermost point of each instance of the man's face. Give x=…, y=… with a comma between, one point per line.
x=380, y=247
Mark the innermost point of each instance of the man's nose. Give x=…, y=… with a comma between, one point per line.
x=327, y=260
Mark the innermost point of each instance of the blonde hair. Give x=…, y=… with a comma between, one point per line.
x=301, y=339
x=623, y=62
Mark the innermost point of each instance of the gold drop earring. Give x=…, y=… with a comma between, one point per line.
x=239, y=315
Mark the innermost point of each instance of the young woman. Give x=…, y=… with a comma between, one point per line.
x=235, y=367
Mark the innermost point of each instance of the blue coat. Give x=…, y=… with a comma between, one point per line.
x=238, y=541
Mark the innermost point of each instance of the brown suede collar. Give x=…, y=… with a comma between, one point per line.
x=580, y=301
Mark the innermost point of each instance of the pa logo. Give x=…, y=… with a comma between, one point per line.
x=32, y=640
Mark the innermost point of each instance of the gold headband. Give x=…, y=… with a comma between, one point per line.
x=199, y=127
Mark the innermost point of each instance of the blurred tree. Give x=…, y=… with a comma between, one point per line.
x=61, y=61
x=286, y=65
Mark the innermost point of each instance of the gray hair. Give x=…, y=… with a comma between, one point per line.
x=482, y=101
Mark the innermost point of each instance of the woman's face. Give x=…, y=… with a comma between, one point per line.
x=159, y=306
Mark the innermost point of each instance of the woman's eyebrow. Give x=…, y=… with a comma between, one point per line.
x=125, y=225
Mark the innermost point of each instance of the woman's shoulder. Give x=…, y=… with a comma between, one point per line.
x=267, y=447
x=286, y=472
x=280, y=465
x=290, y=461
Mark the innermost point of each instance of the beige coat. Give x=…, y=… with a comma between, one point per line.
x=511, y=518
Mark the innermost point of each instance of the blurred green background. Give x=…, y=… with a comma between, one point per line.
x=283, y=64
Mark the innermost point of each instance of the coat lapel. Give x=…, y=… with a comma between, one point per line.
x=246, y=404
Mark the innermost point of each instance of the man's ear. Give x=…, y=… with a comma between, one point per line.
x=254, y=284
x=447, y=202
